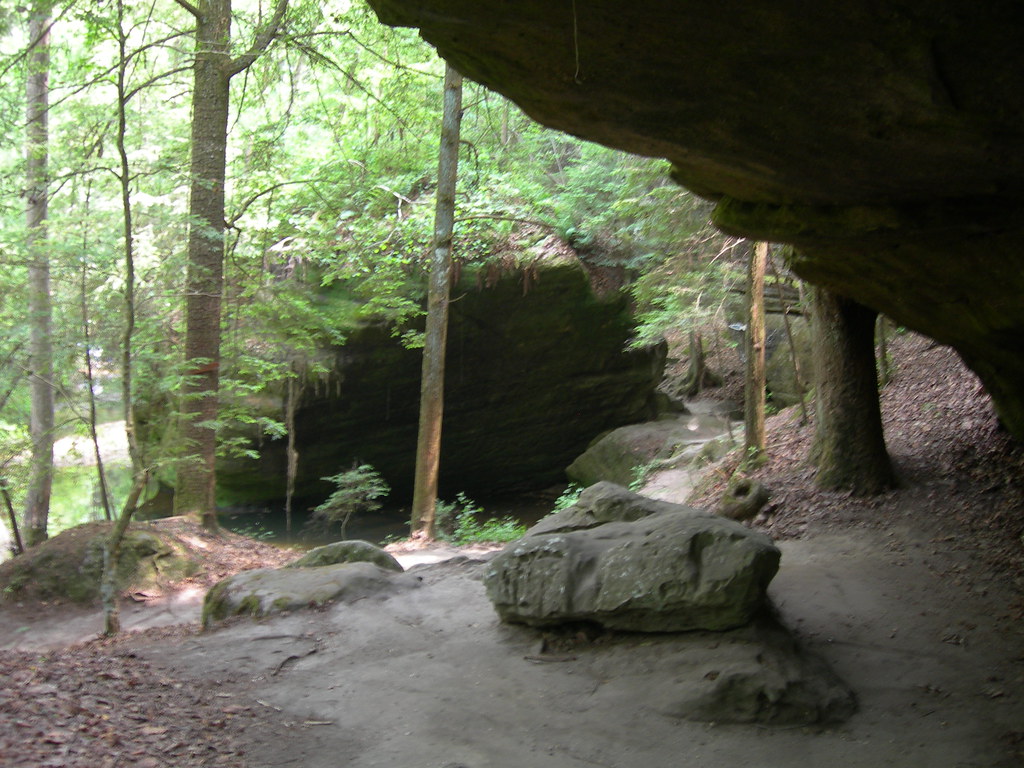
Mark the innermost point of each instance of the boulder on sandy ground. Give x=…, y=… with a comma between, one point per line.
x=265, y=591
x=68, y=566
x=666, y=572
x=353, y=551
x=618, y=455
x=606, y=502
x=754, y=674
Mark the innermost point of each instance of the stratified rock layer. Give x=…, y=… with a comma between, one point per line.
x=536, y=366
x=885, y=140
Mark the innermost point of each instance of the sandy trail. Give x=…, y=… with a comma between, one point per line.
x=430, y=678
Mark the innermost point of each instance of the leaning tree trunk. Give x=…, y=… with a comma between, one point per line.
x=849, y=446
x=37, y=502
x=428, y=447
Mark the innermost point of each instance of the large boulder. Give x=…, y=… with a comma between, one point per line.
x=624, y=454
x=352, y=551
x=606, y=502
x=755, y=674
x=667, y=572
x=69, y=565
x=888, y=147
x=265, y=591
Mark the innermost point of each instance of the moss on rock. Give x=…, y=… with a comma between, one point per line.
x=69, y=565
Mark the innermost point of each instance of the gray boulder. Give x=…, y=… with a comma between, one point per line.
x=354, y=551
x=265, y=591
x=666, y=572
x=757, y=674
x=622, y=453
x=606, y=502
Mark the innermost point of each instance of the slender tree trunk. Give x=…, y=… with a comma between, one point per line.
x=111, y=557
x=754, y=443
x=194, y=489
x=12, y=518
x=884, y=373
x=101, y=475
x=124, y=176
x=140, y=474
x=428, y=448
x=37, y=503
x=849, y=446
x=291, y=405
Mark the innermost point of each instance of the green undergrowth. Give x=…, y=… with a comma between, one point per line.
x=463, y=522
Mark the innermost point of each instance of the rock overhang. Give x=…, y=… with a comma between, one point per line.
x=885, y=140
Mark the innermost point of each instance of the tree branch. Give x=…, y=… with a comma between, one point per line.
x=189, y=7
x=264, y=36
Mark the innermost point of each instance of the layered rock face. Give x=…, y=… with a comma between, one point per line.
x=886, y=140
x=533, y=373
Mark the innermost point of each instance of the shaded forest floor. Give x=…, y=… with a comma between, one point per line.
x=960, y=474
x=176, y=697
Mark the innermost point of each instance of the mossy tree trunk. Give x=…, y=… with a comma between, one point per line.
x=428, y=446
x=849, y=445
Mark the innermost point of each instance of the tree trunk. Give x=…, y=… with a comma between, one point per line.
x=294, y=395
x=37, y=502
x=849, y=447
x=124, y=177
x=754, y=443
x=884, y=372
x=111, y=556
x=428, y=448
x=90, y=383
x=194, y=493
x=194, y=489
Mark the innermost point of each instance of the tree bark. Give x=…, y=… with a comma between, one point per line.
x=37, y=502
x=428, y=448
x=194, y=489
x=754, y=401
x=194, y=493
x=849, y=445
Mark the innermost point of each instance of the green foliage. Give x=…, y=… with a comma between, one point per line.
x=357, y=490
x=568, y=497
x=459, y=522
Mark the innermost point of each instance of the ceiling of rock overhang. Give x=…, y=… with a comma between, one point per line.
x=780, y=102
x=885, y=139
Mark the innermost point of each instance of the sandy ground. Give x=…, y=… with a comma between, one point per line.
x=430, y=679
